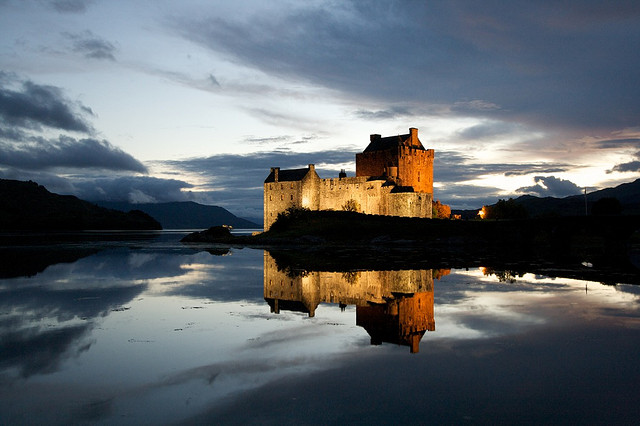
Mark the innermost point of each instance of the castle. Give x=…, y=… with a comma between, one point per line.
x=394, y=177
x=392, y=306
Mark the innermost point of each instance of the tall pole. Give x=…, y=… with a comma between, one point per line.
x=586, y=212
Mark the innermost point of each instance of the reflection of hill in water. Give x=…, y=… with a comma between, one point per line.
x=393, y=306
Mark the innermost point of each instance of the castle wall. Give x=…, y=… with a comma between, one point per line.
x=335, y=193
x=278, y=197
x=371, y=196
x=409, y=204
x=281, y=195
x=415, y=168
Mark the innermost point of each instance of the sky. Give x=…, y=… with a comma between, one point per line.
x=160, y=100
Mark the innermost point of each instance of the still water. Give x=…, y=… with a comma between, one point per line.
x=150, y=331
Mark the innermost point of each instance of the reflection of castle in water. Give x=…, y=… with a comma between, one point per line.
x=392, y=306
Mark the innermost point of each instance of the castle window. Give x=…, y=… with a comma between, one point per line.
x=291, y=197
x=281, y=197
x=270, y=197
x=281, y=186
x=291, y=185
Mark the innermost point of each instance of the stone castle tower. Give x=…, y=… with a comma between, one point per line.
x=394, y=177
x=401, y=159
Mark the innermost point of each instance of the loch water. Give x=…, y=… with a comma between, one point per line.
x=142, y=329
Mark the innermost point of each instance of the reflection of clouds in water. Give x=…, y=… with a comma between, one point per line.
x=41, y=326
x=137, y=260
x=267, y=357
x=475, y=305
x=230, y=349
x=38, y=350
x=631, y=289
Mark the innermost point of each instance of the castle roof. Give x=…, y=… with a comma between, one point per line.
x=290, y=175
x=379, y=143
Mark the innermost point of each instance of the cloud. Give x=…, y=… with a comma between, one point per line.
x=70, y=6
x=34, y=106
x=466, y=197
x=489, y=130
x=619, y=143
x=214, y=81
x=40, y=153
x=454, y=167
x=234, y=181
x=91, y=46
x=551, y=186
x=28, y=116
x=384, y=114
x=521, y=62
x=133, y=189
x=631, y=166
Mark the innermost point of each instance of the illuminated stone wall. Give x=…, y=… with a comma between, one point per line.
x=372, y=196
x=392, y=182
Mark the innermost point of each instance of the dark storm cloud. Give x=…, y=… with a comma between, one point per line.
x=29, y=110
x=385, y=114
x=133, y=189
x=40, y=153
x=34, y=106
x=235, y=181
x=92, y=46
x=452, y=167
x=571, y=64
x=70, y=6
x=551, y=186
x=619, y=143
x=466, y=197
x=631, y=166
x=489, y=131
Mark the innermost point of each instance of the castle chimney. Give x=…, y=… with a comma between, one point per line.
x=312, y=167
x=275, y=171
x=342, y=174
x=374, y=137
x=414, y=133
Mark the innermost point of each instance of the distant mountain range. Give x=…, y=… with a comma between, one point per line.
x=29, y=206
x=185, y=214
x=628, y=194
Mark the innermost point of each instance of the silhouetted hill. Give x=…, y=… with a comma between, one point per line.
x=185, y=215
x=628, y=194
x=29, y=206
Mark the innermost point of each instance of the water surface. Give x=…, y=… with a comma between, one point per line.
x=151, y=331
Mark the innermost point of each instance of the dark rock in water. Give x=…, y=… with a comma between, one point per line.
x=211, y=235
